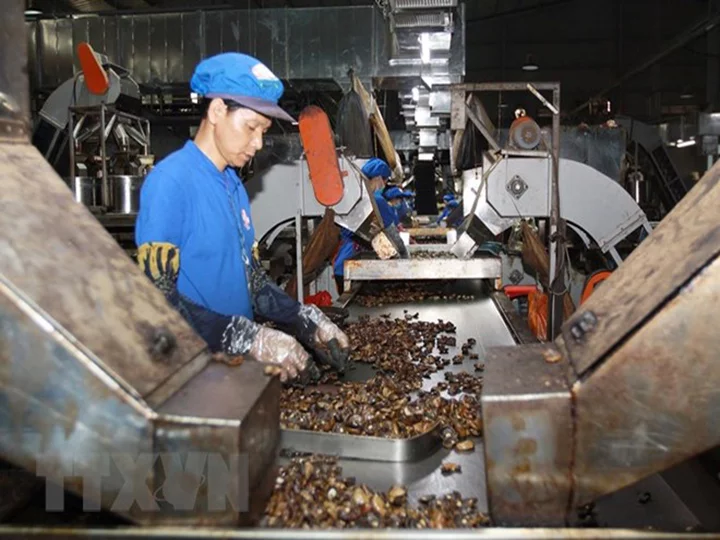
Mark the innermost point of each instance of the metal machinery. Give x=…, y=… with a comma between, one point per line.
x=628, y=389
x=96, y=363
x=528, y=178
x=108, y=141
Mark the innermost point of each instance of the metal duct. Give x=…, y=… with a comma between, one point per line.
x=423, y=20
x=440, y=103
x=89, y=6
x=306, y=43
x=132, y=4
x=423, y=4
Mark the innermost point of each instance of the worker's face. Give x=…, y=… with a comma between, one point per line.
x=377, y=182
x=238, y=133
x=395, y=202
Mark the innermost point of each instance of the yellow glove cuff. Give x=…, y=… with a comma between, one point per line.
x=159, y=260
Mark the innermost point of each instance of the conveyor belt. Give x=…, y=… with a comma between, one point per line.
x=479, y=319
x=650, y=503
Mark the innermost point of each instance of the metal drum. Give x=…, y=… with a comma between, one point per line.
x=86, y=190
x=125, y=191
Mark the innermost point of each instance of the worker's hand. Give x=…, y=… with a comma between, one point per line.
x=309, y=376
x=330, y=344
x=274, y=347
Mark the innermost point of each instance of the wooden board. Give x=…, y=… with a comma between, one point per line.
x=684, y=242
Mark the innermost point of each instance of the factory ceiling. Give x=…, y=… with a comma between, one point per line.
x=649, y=59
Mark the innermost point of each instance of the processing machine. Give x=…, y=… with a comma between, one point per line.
x=99, y=375
x=90, y=129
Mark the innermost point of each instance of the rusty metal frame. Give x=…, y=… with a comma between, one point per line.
x=636, y=365
x=94, y=361
x=198, y=533
x=461, y=112
x=14, y=96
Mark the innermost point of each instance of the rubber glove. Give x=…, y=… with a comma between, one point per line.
x=266, y=345
x=330, y=344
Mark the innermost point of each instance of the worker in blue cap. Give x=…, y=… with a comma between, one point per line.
x=451, y=203
x=399, y=200
x=195, y=235
x=378, y=173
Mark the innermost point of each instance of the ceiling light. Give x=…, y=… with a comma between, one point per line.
x=683, y=144
x=426, y=156
x=415, y=94
x=32, y=12
x=530, y=64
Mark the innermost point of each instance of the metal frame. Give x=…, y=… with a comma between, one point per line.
x=410, y=269
x=142, y=138
x=460, y=112
x=362, y=446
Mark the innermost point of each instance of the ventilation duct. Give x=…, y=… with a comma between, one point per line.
x=442, y=19
x=422, y=4
x=317, y=44
x=89, y=6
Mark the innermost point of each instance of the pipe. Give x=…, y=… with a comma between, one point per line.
x=557, y=232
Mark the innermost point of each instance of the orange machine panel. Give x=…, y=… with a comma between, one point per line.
x=318, y=141
x=96, y=78
x=592, y=282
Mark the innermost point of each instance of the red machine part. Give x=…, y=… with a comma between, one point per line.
x=537, y=307
x=592, y=282
x=319, y=144
x=96, y=79
x=515, y=291
x=525, y=133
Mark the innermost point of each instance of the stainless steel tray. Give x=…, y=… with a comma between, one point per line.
x=360, y=269
x=361, y=447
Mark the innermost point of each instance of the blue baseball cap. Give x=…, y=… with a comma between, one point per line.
x=396, y=193
x=243, y=79
x=448, y=197
x=376, y=167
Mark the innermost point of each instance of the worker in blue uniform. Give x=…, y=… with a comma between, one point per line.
x=195, y=234
x=450, y=204
x=400, y=201
x=378, y=173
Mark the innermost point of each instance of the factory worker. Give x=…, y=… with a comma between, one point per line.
x=399, y=201
x=450, y=204
x=195, y=234
x=378, y=172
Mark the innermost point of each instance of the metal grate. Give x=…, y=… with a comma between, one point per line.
x=423, y=20
x=425, y=4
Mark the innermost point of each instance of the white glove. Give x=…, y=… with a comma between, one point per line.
x=277, y=348
x=326, y=329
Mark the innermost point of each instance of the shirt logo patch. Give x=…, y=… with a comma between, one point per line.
x=246, y=219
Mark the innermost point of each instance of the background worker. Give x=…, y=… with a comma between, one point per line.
x=400, y=201
x=378, y=173
x=195, y=232
x=451, y=203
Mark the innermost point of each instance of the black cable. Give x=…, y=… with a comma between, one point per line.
x=701, y=53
